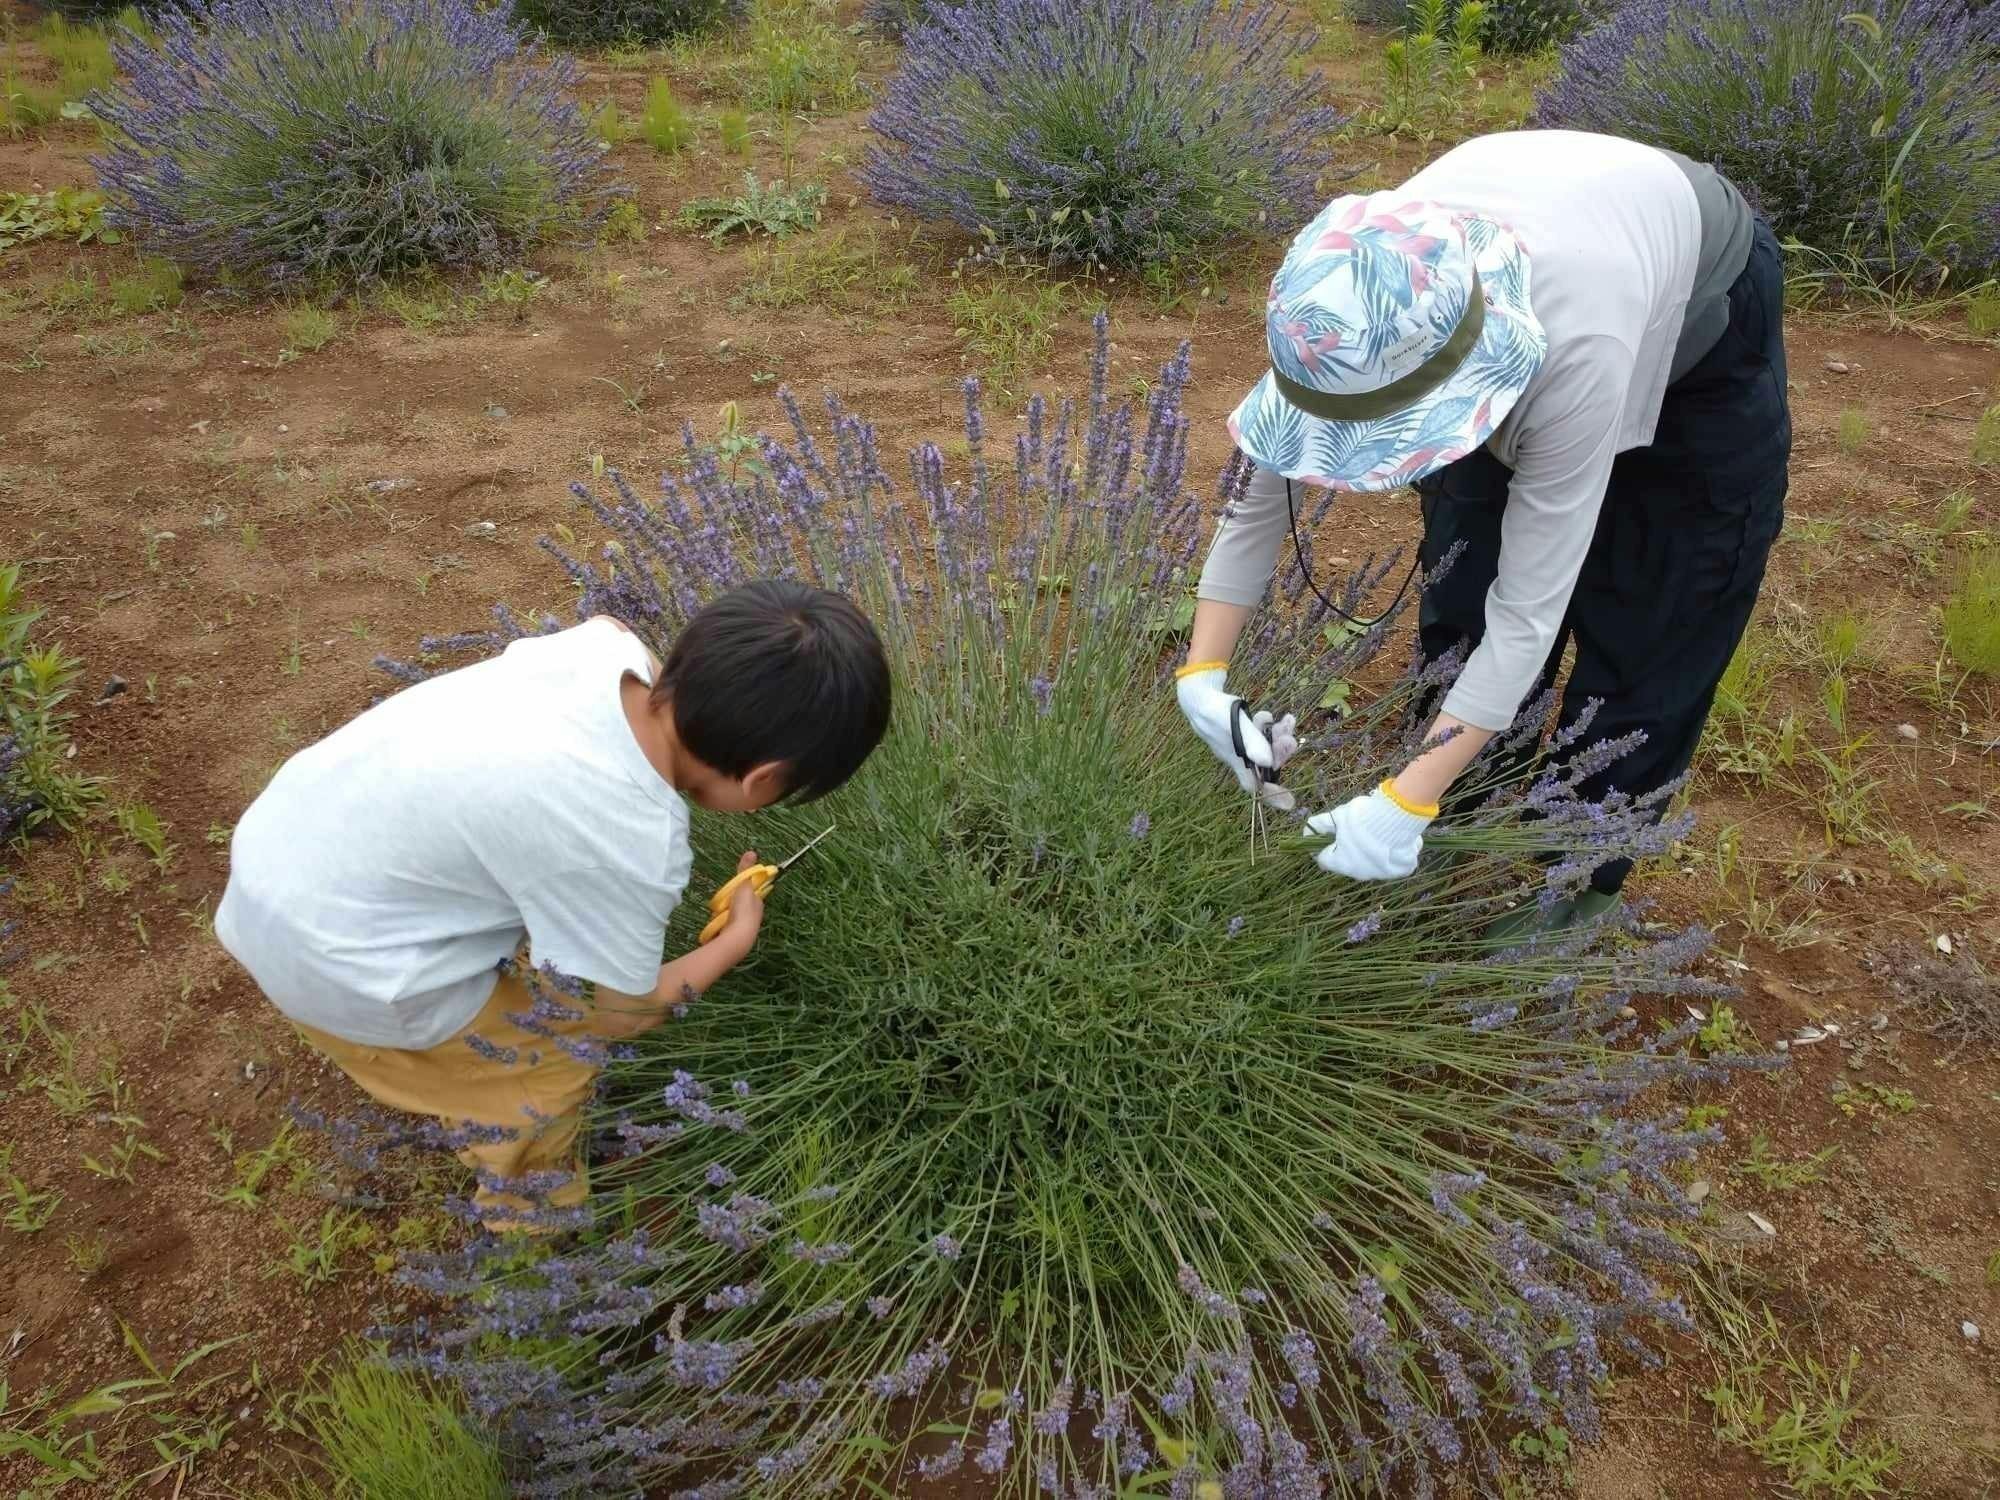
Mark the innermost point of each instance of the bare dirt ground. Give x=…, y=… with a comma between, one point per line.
x=236, y=531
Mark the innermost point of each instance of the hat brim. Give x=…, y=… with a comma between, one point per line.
x=1439, y=428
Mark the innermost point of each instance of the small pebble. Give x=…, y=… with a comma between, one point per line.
x=1907, y=731
x=113, y=686
x=497, y=413
x=1970, y=1329
x=283, y=428
x=1836, y=367
x=1698, y=1189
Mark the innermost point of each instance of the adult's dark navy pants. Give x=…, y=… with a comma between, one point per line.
x=1678, y=556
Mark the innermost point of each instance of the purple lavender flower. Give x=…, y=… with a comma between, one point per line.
x=718, y=1176
x=1801, y=130
x=1193, y=127
x=1142, y=824
x=945, y=1247
x=1236, y=926
x=295, y=140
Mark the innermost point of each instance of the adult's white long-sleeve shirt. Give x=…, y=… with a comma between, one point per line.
x=1614, y=231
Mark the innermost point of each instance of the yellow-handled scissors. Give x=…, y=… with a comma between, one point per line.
x=758, y=878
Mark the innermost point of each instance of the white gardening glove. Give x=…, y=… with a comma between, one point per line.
x=1209, y=706
x=1376, y=836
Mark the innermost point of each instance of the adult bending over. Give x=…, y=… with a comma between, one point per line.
x=1571, y=346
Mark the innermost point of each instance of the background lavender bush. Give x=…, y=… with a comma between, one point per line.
x=1051, y=1132
x=1878, y=138
x=1102, y=132
x=600, y=23
x=295, y=140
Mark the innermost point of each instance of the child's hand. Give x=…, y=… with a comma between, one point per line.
x=746, y=908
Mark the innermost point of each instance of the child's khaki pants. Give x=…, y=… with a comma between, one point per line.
x=539, y=1095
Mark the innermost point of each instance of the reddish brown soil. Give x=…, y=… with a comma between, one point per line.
x=236, y=535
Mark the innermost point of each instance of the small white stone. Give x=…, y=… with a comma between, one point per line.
x=283, y=428
x=1943, y=941
x=1907, y=731
x=1970, y=1329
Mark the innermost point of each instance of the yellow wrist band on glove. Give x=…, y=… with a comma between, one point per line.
x=1414, y=809
x=1201, y=666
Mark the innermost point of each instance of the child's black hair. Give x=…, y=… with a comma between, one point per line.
x=778, y=671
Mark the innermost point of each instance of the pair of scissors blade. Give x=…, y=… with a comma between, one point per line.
x=804, y=850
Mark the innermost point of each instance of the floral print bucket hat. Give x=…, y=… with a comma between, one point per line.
x=1401, y=336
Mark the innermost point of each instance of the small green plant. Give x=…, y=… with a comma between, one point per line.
x=35, y=683
x=1986, y=437
x=1854, y=430
x=62, y=1079
x=313, y=1255
x=1796, y=1415
x=775, y=209
x=1724, y=1032
x=255, y=1168
x=70, y=213
x=1782, y=1176
x=665, y=125
x=610, y=125
x=1549, y=1445
x=624, y=222
x=142, y=827
x=22, y=1209
x=1008, y=324
x=88, y=1253
x=116, y=1165
x=308, y=328
x=1427, y=68
x=1982, y=311
x=734, y=126
x=1972, y=614
x=389, y=1433
x=513, y=288
x=1872, y=1099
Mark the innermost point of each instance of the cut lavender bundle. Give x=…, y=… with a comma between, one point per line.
x=291, y=141
x=1017, y=1093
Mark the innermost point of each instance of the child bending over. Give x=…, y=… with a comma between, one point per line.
x=388, y=874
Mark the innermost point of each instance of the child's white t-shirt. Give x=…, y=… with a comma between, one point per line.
x=385, y=873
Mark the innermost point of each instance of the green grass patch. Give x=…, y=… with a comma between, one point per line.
x=838, y=270
x=385, y=1434
x=1972, y=614
x=1008, y=324
x=1795, y=1414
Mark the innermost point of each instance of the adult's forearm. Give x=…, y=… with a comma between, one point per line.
x=1425, y=780
x=1217, y=628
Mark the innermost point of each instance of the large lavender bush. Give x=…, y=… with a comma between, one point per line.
x=1052, y=1131
x=1869, y=131
x=1102, y=132
x=598, y=23
x=288, y=141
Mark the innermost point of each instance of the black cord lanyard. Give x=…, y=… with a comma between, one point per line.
x=1299, y=551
